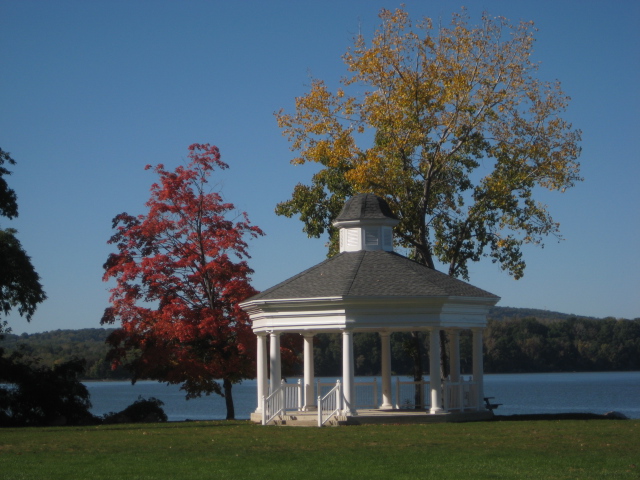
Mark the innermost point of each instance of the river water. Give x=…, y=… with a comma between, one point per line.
x=529, y=393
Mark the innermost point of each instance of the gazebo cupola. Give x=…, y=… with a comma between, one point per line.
x=366, y=223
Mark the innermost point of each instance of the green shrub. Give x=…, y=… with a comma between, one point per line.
x=141, y=411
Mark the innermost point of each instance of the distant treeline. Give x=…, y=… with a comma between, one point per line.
x=516, y=340
x=512, y=345
x=59, y=346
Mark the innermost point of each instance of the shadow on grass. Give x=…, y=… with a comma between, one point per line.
x=123, y=427
x=555, y=416
x=174, y=424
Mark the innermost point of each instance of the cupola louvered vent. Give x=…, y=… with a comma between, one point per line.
x=366, y=223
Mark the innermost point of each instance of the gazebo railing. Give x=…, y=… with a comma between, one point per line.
x=292, y=395
x=330, y=404
x=285, y=397
x=457, y=396
x=366, y=393
x=322, y=388
x=406, y=394
x=272, y=405
x=460, y=395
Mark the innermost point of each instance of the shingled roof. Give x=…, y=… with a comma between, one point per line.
x=365, y=206
x=370, y=273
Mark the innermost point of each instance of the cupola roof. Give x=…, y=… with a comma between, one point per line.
x=365, y=206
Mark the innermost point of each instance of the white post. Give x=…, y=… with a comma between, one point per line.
x=434, y=370
x=283, y=397
x=261, y=371
x=274, y=357
x=454, y=367
x=348, y=373
x=309, y=400
x=385, y=340
x=478, y=367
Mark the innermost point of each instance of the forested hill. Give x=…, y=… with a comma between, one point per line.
x=516, y=340
x=58, y=346
x=512, y=313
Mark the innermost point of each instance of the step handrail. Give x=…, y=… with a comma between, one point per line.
x=331, y=403
x=273, y=405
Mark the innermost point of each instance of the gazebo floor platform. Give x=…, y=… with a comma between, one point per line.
x=377, y=416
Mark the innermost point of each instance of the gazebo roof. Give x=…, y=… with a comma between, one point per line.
x=368, y=287
x=367, y=274
x=365, y=206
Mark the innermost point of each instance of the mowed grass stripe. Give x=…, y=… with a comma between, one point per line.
x=566, y=449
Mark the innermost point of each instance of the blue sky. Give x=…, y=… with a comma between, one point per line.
x=91, y=92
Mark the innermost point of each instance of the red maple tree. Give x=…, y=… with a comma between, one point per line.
x=180, y=273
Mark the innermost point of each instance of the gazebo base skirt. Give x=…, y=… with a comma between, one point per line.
x=375, y=416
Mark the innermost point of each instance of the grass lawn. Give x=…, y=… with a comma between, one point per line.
x=565, y=449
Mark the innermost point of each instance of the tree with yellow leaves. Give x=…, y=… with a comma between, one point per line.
x=451, y=126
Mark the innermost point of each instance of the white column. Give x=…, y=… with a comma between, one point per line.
x=309, y=399
x=261, y=371
x=478, y=368
x=434, y=370
x=385, y=367
x=275, y=365
x=348, y=373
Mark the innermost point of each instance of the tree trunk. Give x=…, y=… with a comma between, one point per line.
x=424, y=256
x=228, y=398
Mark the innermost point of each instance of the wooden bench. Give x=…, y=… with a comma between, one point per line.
x=489, y=405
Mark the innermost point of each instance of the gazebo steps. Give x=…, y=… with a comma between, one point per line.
x=374, y=416
x=302, y=419
x=309, y=420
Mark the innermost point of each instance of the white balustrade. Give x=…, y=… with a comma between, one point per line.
x=272, y=406
x=285, y=397
x=366, y=392
x=460, y=395
x=293, y=395
x=457, y=396
x=406, y=394
x=330, y=404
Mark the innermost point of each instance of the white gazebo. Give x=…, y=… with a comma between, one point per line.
x=367, y=287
